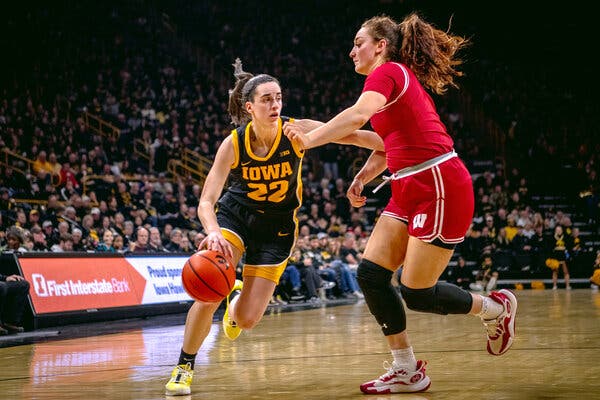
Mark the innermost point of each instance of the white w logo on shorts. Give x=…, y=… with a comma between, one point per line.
x=419, y=221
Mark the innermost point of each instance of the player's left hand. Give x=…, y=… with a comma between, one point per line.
x=354, y=194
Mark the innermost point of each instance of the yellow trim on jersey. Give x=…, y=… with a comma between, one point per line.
x=273, y=148
x=270, y=272
x=299, y=191
x=234, y=239
x=236, y=148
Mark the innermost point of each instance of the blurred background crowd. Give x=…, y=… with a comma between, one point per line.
x=98, y=100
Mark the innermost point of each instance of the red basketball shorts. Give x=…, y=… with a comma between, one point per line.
x=436, y=204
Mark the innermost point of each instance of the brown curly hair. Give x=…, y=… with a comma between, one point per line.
x=428, y=51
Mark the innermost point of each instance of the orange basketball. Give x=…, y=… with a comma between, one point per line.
x=208, y=276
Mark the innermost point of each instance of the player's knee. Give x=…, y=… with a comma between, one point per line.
x=247, y=320
x=370, y=275
x=246, y=323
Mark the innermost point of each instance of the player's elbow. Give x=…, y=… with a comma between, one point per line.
x=359, y=118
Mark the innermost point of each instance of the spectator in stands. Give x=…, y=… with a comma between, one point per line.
x=65, y=243
x=198, y=238
x=350, y=257
x=128, y=232
x=310, y=277
x=404, y=236
x=575, y=245
x=118, y=244
x=42, y=168
x=141, y=243
x=155, y=243
x=174, y=244
x=13, y=299
x=90, y=233
x=461, y=274
x=50, y=233
x=34, y=219
x=39, y=239
x=487, y=276
x=63, y=228
x=78, y=240
x=14, y=240
x=320, y=260
x=106, y=245
x=186, y=245
x=501, y=241
x=290, y=284
x=21, y=219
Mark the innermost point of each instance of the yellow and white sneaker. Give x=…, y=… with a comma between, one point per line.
x=232, y=331
x=180, y=382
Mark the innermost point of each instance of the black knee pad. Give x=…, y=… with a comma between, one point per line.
x=443, y=298
x=381, y=297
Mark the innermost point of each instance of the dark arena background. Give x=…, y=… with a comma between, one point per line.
x=111, y=114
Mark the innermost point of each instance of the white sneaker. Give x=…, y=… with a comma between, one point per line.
x=327, y=285
x=398, y=380
x=501, y=330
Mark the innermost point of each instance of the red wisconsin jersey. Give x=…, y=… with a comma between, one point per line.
x=408, y=124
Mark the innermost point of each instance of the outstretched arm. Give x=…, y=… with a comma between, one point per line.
x=343, y=124
x=361, y=137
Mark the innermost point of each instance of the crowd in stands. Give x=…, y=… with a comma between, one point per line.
x=165, y=81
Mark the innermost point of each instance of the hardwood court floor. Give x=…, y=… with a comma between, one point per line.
x=326, y=353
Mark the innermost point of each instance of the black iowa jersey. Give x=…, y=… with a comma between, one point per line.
x=271, y=183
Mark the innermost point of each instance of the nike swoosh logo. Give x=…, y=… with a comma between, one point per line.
x=282, y=233
x=246, y=163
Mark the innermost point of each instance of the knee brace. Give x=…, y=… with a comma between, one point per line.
x=443, y=298
x=381, y=297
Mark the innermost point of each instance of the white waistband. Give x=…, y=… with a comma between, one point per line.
x=415, y=169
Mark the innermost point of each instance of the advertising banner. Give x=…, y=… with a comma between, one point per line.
x=92, y=283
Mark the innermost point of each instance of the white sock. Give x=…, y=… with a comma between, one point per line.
x=405, y=358
x=232, y=304
x=490, y=309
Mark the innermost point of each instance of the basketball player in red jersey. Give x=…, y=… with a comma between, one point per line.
x=432, y=194
x=257, y=214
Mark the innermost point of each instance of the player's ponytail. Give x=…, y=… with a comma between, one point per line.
x=239, y=116
x=430, y=53
x=244, y=89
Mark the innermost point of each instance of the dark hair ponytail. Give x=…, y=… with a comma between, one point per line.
x=239, y=116
x=428, y=51
x=243, y=91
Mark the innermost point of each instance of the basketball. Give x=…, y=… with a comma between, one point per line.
x=208, y=276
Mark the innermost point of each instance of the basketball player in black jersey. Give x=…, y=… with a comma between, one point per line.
x=257, y=213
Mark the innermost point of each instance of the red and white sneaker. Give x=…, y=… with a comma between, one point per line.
x=501, y=330
x=398, y=380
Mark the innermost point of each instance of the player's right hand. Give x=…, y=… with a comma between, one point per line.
x=217, y=242
x=295, y=133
